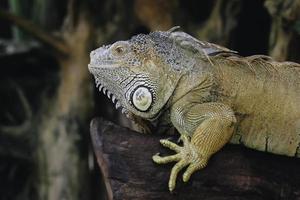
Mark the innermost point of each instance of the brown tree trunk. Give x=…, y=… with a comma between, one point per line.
x=61, y=158
x=63, y=170
x=284, y=39
x=124, y=158
x=155, y=15
x=221, y=22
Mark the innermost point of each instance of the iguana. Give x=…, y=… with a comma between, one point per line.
x=210, y=94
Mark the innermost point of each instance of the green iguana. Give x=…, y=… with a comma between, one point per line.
x=209, y=93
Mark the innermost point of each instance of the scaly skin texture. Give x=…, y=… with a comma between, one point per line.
x=209, y=93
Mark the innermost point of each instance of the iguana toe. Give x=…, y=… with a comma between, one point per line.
x=187, y=155
x=192, y=168
x=166, y=159
x=170, y=145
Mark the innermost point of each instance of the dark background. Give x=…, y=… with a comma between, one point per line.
x=47, y=96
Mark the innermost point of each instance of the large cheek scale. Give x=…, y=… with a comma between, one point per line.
x=142, y=99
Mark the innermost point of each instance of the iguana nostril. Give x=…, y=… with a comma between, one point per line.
x=93, y=53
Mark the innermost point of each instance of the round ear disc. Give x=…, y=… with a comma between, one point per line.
x=142, y=98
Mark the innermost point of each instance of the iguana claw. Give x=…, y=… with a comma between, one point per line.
x=186, y=155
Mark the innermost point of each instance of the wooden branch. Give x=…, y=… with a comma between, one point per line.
x=221, y=22
x=22, y=128
x=35, y=31
x=124, y=157
x=284, y=40
x=155, y=15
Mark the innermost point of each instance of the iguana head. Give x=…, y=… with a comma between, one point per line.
x=139, y=74
x=142, y=73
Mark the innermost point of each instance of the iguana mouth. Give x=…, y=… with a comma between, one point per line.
x=113, y=98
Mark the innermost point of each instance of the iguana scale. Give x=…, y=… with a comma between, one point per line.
x=209, y=93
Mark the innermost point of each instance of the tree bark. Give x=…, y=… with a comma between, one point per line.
x=155, y=15
x=284, y=39
x=62, y=160
x=221, y=22
x=124, y=158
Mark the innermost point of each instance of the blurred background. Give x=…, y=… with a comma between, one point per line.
x=47, y=96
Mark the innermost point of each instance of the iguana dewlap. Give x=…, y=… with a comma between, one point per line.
x=209, y=93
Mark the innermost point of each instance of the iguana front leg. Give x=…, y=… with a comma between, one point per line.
x=205, y=129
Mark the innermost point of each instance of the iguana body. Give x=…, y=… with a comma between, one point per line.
x=210, y=94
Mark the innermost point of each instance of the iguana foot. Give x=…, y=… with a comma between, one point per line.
x=186, y=155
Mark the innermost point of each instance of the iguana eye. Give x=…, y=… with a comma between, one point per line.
x=142, y=98
x=119, y=49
